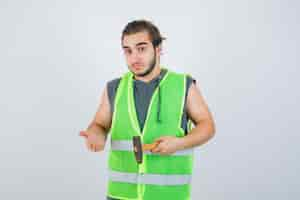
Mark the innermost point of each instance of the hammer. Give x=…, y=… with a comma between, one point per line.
x=139, y=148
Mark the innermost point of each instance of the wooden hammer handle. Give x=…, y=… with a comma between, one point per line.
x=148, y=147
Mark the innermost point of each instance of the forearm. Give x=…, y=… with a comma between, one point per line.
x=199, y=135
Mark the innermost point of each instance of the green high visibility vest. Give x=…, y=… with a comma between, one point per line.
x=159, y=177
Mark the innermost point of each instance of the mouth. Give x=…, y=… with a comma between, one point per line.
x=138, y=66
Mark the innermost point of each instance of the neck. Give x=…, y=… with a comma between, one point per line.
x=155, y=72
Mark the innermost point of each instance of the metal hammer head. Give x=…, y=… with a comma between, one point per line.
x=138, y=149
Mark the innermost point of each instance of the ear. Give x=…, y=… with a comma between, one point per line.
x=159, y=50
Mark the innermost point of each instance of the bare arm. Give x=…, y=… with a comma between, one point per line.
x=102, y=119
x=99, y=127
x=200, y=115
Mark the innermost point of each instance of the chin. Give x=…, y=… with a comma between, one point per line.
x=138, y=71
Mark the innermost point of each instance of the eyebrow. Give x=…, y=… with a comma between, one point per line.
x=138, y=44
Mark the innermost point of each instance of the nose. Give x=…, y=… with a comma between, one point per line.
x=134, y=57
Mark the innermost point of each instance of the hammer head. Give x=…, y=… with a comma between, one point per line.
x=138, y=149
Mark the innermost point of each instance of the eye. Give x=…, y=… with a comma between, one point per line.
x=141, y=49
x=127, y=51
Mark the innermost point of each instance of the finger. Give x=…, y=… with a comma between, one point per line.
x=157, y=149
x=164, y=151
x=94, y=148
x=91, y=147
x=87, y=144
x=156, y=143
x=83, y=134
x=99, y=148
x=161, y=139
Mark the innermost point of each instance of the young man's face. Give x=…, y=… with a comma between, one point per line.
x=140, y=53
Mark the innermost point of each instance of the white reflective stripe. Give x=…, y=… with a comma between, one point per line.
x=125, y=145
x=121, y=145
x=153, y=179
x=177, y=153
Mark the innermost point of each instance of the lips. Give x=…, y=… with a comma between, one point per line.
x=138, y=66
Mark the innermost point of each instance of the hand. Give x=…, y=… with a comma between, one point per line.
x=167, y=145
x=94, y=142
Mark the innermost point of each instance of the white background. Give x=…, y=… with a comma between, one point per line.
x=57, y=56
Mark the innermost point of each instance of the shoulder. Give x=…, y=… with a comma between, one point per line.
x=113, y=82
x=112, y=86
x=190, y=79
x=188, y=76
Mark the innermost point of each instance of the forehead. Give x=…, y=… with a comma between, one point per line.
x=133, y=39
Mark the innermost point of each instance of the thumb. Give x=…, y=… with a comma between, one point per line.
x=162, y=138
x=83, y=134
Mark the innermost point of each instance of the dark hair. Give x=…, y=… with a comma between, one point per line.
x=144, y=25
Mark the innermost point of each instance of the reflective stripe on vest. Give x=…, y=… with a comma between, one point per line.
x=126, y=145
x=154, y=179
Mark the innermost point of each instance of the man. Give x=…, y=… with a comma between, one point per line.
x=158, y=105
